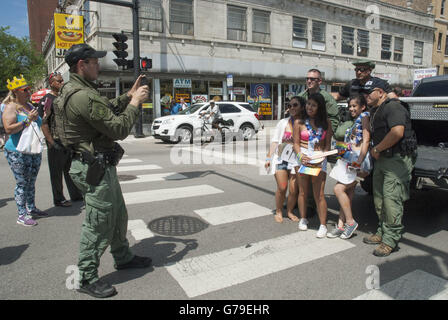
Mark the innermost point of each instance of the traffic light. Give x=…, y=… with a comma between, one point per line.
x=121, y=47
x=145, y=64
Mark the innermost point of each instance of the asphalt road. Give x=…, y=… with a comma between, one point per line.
x=221, y=242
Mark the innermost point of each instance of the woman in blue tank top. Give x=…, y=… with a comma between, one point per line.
x=18, y=115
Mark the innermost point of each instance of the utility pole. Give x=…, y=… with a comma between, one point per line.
x=136, y=40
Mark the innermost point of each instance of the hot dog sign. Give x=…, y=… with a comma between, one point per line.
x=68, y=30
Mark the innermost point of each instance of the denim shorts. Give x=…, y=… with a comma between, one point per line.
x=283, y=166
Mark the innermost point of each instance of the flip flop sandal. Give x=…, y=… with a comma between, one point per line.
x=278, y=218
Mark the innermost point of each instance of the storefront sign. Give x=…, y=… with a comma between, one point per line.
x=239, y=91
x=198, y=98
x=423, y=73
x=178, y=96
x=215, y=91
x=384, y=76
x=182, y=83
x=260, y=90
x=68, y=30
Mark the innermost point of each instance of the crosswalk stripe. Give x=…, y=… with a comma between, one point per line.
x=168, y=194
x=156, y=177
x=139, y=230
x=416, y=285
x=233, y=212
x=138, y=168
x=211, y=272
x=130, y=161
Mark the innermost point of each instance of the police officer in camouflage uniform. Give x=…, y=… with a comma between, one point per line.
x=394, y=149
x=88, y=124
x=363, y=83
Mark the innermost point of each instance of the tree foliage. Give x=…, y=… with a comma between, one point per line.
x=18, y=56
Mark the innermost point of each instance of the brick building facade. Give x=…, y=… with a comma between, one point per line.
x=40, y=14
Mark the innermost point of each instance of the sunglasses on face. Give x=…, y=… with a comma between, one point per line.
x=361, y=69
x=293, y=105
x=312, y=79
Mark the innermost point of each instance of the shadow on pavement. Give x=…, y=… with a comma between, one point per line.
x=3, y=202
x=9, y=255
x=162, y=250
x=74, y=210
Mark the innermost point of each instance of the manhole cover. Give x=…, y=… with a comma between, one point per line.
x=126, y=177
x=177, y=225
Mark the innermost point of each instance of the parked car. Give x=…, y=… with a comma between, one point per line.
x=180, y=127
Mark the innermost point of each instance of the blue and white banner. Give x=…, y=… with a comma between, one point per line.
x=260, y=89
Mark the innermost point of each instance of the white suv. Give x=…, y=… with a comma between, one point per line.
x=180, y=127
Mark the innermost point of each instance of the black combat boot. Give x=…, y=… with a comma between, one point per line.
x=98, y=289
x=136, y=262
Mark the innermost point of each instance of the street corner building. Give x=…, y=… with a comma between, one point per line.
x=252, y=50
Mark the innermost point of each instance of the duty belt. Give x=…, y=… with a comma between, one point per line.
x=87, y=158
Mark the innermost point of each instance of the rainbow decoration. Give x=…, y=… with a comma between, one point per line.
x=312, y=171
x=342, y=148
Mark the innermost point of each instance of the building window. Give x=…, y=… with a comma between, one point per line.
x=442, y=8
x=386, y=41
x=363, y=43
x=445, y=70
x=181, y=17
x=398, y=49
x=418, y=52
x=446, y=45
x=348, y=40
x=439, y=42
x=261, y=32
x=299, y=32
x=236, y=23
x=150, y=14
x=318, y=35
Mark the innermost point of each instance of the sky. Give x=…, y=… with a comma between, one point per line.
x=14, y=13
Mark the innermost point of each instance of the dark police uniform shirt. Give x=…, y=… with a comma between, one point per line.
x=354, y=87
x=388, y=115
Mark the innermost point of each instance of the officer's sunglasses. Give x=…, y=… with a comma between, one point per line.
x=361, y=69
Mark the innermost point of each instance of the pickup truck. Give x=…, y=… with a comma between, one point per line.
x=428, y=106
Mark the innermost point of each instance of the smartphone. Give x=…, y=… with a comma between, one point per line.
x=144, y=82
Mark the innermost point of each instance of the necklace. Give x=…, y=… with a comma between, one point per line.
x=315, y=136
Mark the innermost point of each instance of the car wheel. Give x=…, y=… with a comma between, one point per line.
x=184, y=134
x=247, y=131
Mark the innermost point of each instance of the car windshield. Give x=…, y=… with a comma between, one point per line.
x=431, y=89
x=191, y=109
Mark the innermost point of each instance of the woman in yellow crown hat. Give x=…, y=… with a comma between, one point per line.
x=19, y=113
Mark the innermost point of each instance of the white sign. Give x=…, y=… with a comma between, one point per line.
x=229, y=80
x=420, y=74
x=384, y=76
x=182, y=83
x=215, y=91
x=60, y=53
x=197, y=98
x=239, y=91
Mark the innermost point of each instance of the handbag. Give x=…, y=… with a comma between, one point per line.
x=32, y=140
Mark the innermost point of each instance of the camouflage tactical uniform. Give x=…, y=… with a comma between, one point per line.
x=89, y=122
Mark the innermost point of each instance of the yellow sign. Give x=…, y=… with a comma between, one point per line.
x=68, y=30
x=440, y=106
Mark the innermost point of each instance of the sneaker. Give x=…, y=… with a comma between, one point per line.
x=136, y=262
x=98, y=289
x=36, y=213
x=383, y=250
x=335, y=233
x=303, y=224
x=348, y=230
x=322, y=232
x=26, y=220
x=372, y=239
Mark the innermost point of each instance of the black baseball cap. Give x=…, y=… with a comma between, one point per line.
x=381, y=84
x=82, y=51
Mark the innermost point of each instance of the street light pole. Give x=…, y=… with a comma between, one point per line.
x=136, y=40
